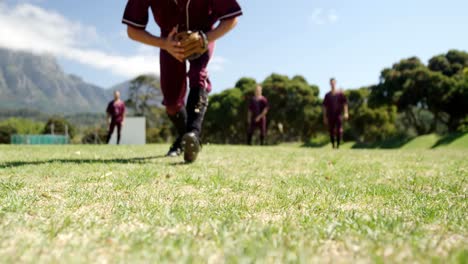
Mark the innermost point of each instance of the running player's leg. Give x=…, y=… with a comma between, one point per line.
x=174, y=88
x=263, y=131
x=110, y=132
x=331, y=131
x=339, y=131
x=200, y=86
x=197, y=104
x=119, y=132
x=250, y=132
x=179, y=120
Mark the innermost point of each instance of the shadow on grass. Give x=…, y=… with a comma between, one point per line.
x=314, y=144
x=12, y=164
x=448, y=139
x=317, y=142
x=393, y=143
x=180, y=163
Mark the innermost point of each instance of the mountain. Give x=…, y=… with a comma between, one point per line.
x=37, y=82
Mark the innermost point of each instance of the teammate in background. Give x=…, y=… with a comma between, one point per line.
x=335, y=108
x=179, y=16
x=257, y=115
x=115, y=116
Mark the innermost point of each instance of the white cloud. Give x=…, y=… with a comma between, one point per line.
x=27, y=27
x=320, y=16
x=317, y=17
x=333, y=16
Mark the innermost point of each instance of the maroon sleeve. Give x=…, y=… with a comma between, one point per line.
x=251, y=105
x=325, y=101
x=225, y=9
x=136, y=13
x=343, y=99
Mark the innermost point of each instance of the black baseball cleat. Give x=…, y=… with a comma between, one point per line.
x=175, y=150
x=191, y=147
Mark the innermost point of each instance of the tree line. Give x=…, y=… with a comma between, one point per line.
x=411, y=99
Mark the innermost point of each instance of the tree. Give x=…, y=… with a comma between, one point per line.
x=246, y=84
x=450, y=64
x=60, y=126
x=144, y=93
x=226, y=117
x=159, y=128
x=369, y=125
x=456, y=104
x=6, y=131
x=95, y=136
x=145, y=100
x=414, y=90
x=390, y=89
x=294, y=106
x=431, y=91
x=441, y=64
x=24, y=126
x=374, y=124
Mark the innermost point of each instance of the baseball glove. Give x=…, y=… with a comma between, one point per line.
x=194, y=44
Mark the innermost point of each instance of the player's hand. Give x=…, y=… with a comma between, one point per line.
x=258, y=119
x=325, y=121
x=174, y=47
x=346, y=116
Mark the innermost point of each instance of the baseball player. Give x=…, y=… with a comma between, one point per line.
x=188, y=33
x=334, y=105
x=115, y=116
x=257, y=115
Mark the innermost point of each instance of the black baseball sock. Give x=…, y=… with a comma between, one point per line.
x=197, y=104
x=180, y=122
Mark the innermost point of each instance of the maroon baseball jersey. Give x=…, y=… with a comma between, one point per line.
x=334, y=103
x=257, y=105
x=192, y=15
x=116, y=110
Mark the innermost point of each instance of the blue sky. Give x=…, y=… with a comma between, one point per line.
x=350, y=40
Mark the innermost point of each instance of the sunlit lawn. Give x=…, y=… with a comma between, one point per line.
x=235, y=204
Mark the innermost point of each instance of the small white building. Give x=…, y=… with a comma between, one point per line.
x=133, y=132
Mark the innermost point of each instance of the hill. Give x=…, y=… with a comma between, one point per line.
x=37, y=82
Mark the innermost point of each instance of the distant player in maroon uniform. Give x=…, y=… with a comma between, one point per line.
x=174, y=16
x=257, y=115
x=334, y=105
x=115, y=116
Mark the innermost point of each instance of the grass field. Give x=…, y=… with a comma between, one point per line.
x=236, y=204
